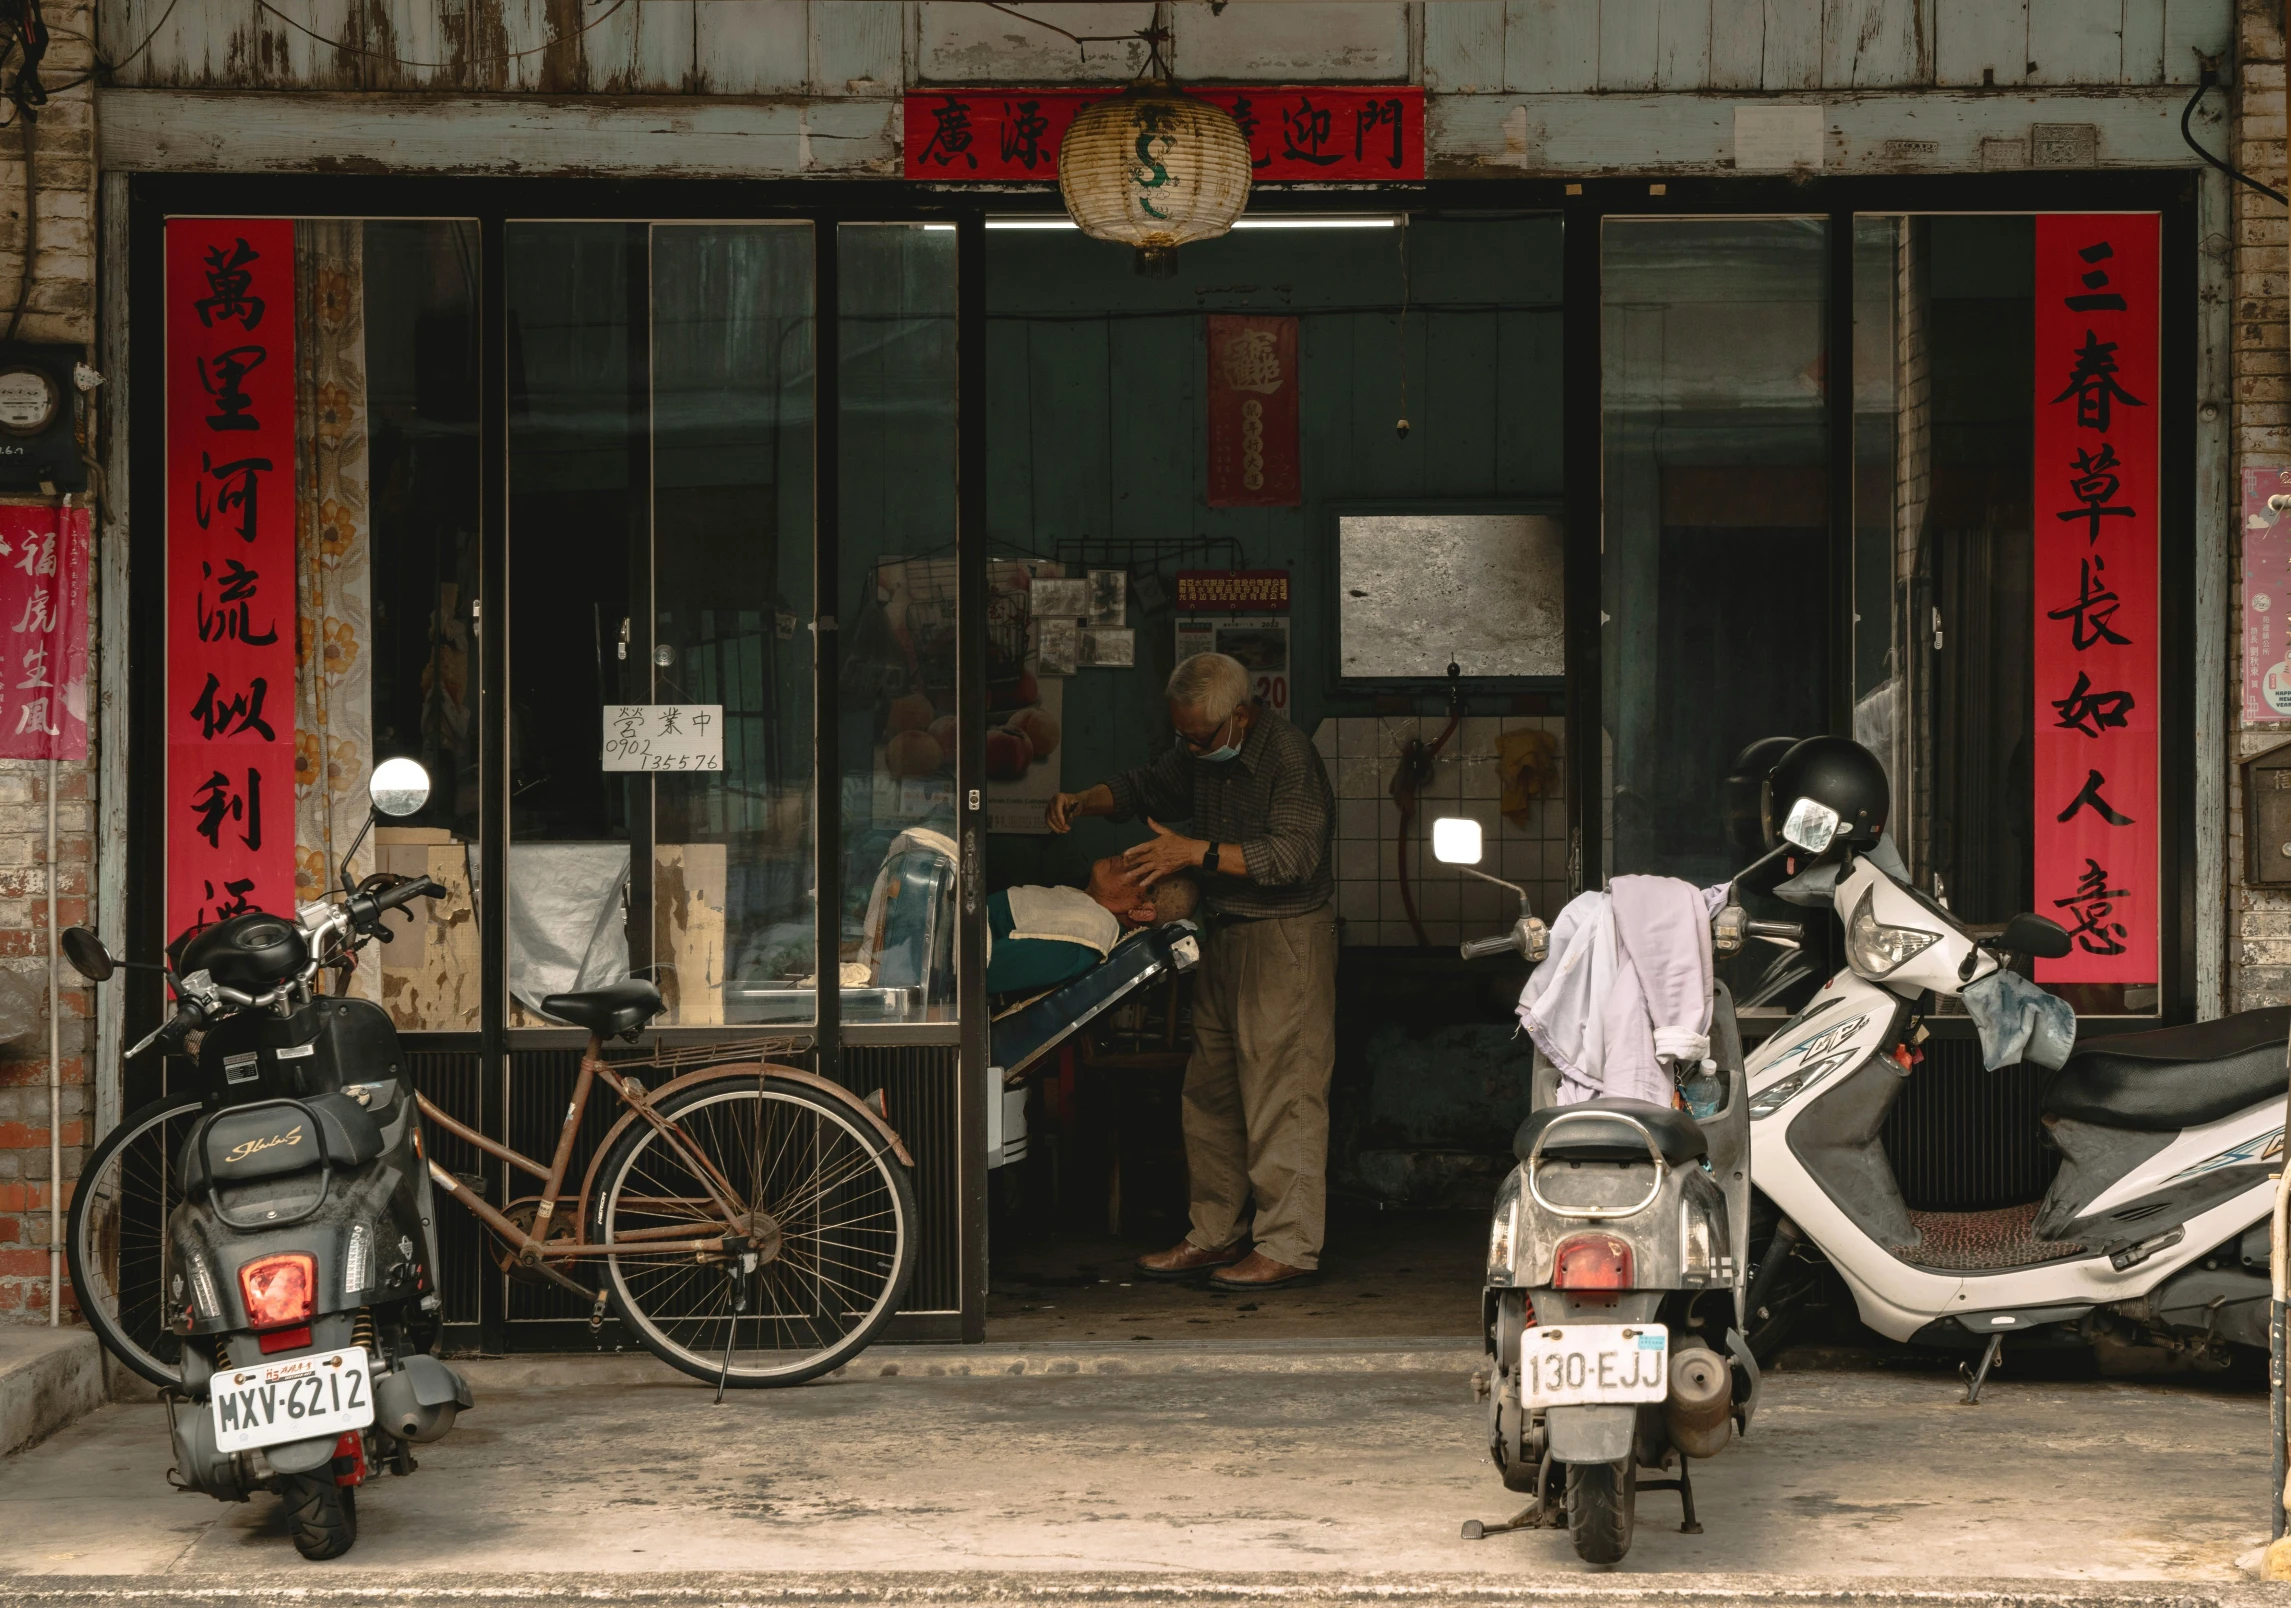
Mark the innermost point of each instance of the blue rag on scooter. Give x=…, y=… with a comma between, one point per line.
x=2019, y=1021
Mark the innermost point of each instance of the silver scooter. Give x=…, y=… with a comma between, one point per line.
x=1612, y=1311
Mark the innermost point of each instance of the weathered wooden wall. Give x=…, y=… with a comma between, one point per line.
x=876, y=48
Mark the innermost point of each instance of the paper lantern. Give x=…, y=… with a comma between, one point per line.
x=1156, y=169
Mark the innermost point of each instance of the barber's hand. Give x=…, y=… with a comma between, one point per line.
x=1060, y=814
x=1162, y=855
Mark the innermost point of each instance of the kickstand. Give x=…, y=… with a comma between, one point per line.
x=1979, y=1376
x=1537, y=1515
x=732, y=1329
x=1684, y=1485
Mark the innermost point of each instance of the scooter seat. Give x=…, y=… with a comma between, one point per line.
x=269, y=1139
x=2174, y=1077
x=1595, y=1131
x=620, y=1007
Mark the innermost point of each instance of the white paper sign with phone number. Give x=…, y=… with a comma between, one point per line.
x=664, y=737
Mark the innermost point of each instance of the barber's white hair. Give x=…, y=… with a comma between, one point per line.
x=1214, y=683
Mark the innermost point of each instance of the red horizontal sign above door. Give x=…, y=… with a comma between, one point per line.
x=1300, y=134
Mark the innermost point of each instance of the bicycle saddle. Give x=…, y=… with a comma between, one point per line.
x=620, y=1007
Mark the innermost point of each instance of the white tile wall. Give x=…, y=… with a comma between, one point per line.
x=1359, y=752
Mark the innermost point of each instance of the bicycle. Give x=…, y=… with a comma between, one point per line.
x=752, y=1222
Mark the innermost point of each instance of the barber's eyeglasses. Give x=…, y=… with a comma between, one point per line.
x=1209, y=744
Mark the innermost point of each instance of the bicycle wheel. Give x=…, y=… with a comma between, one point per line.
x=835, y=1231
x=123, y=1271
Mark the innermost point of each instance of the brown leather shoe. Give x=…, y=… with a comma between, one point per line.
x=1185, y=1260
x=1257, y=1271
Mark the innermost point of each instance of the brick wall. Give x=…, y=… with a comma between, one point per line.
x=2259, y=949
x=61, y=308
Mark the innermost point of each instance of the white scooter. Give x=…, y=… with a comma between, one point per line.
x=2153, y=1232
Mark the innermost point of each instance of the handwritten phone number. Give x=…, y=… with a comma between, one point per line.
x=636, y=754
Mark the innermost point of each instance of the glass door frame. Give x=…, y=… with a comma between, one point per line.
x=495, y=204
x=2170, y=193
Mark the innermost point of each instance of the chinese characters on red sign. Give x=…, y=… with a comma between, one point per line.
x=1253, y=455
x=2095, y=743
x=1233, y=591
x=230, y=568
x=1310, y=134
x=43, y=633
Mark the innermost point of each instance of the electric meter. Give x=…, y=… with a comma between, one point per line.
x=28, y=398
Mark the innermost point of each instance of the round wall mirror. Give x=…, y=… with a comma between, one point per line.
x=399, y=787
x=86, y=953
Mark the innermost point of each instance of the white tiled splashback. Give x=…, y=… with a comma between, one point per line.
x=1360, y=752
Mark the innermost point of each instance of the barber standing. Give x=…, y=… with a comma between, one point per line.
x=1264, y=1005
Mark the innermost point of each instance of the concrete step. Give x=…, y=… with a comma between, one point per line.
x=535, y=1370
x=331, y=1586
x=48, y=1377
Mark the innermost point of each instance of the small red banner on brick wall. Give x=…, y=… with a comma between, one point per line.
x=1253, y=412
x=2095, y=740
x=230, y=568
x=1303, y=134
x=43, y=633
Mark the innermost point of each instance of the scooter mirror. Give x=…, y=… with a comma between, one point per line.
x=2032, y=934
x=1456, y=840
x=399, y=787
x=1811, y=825
x=86, y=953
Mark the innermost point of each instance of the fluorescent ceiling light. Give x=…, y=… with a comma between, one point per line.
x=1353, y=221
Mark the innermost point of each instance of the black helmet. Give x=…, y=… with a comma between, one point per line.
x=1835, y=772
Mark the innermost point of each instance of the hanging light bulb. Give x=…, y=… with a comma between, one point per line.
x=1156, y=169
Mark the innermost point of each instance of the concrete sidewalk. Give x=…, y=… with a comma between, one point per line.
x=48, y=1377
x=622, y=1479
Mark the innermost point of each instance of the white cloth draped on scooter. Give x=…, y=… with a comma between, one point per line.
x=1626, y=991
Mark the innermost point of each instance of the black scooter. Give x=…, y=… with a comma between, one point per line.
x=301, y=1260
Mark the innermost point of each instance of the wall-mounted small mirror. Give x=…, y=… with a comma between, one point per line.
x=399, y=787
x=1456, y=840
x=86, y=953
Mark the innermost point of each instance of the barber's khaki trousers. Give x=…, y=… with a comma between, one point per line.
x=1256, y=1090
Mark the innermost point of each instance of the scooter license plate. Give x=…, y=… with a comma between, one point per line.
x=294, y=1398
x=1571, y=1364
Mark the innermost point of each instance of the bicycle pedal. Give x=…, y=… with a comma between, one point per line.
x=597, y=1314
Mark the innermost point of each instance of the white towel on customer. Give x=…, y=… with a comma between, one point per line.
x=1065, y=915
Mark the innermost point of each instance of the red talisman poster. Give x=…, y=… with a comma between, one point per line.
x=2095, y=742
x=230, y=568
x=1310, y=134
x=43, y=633
x=1253, y=412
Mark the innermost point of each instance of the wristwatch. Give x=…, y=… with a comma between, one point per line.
x=1209, y=860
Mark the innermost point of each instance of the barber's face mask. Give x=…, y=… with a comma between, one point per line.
x=1218, y=755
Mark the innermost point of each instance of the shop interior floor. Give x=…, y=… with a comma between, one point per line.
x=1391, y=1274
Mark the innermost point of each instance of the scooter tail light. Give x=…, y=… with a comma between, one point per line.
x=279, y=1289
x=1591, y=1262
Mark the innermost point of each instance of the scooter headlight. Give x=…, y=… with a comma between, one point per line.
x=1877, y=949
x=1503, y=1231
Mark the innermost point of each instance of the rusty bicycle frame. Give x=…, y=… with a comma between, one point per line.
x=744, y=1229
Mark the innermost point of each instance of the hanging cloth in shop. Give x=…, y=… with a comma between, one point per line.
x=334, y=714
x=1626, y=992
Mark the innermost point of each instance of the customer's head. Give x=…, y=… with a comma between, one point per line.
x=1209, y=702
x=1116, y=887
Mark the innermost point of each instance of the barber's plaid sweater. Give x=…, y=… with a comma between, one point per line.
x=1274, y=801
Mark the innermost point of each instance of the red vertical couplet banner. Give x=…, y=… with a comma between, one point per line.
x=230, y=568
x=2094, y=747
x=1253, y=454
x=43, y=633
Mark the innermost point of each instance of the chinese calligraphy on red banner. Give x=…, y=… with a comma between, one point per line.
x=1253, y=455
x=230, y=568
x=1310, y=134
x=43, y=633
x=2095, y=742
